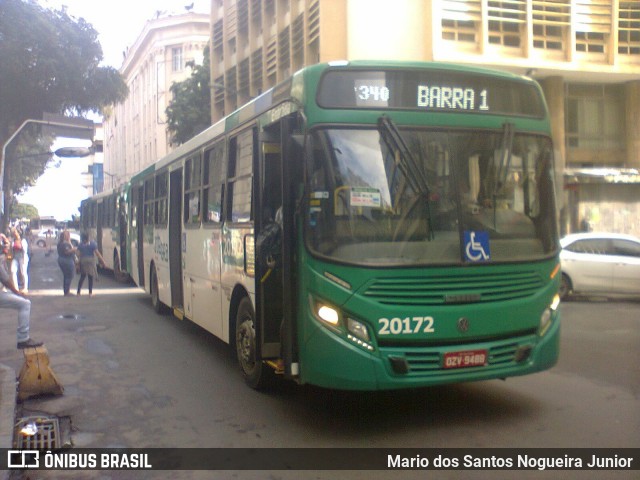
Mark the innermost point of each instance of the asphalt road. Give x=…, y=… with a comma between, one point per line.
x=136, y=379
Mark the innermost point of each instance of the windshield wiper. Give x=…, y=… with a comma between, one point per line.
x=414, y=175
x=505, y=161
x=503, y=167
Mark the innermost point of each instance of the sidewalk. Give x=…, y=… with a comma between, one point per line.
x=51, y=317
x=7, y=405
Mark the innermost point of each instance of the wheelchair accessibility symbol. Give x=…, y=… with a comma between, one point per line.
x=476, y=246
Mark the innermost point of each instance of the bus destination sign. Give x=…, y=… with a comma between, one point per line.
x=431, y=90
x=439, y=97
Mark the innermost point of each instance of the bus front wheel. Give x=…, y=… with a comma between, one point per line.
x=254, y=371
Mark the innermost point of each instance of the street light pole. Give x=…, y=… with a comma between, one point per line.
x=14, y=135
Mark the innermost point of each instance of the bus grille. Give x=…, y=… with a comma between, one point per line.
x=428, y=360
x=465, y=287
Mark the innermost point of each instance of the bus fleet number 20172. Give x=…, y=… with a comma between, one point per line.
x=407, y=325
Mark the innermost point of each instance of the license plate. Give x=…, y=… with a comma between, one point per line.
x=468, y=358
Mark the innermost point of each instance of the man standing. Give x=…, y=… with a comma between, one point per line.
x=13, y=298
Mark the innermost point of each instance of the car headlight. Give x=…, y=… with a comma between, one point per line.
x=547, y=315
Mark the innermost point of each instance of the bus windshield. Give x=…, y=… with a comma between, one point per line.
x=386, y=196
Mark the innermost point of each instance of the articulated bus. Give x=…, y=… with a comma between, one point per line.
x=104, y=218
x=363, y=226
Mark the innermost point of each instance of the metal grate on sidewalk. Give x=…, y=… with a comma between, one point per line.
x=46, y=437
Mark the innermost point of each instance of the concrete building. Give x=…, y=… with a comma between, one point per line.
x=585, y=53
x=135, y=133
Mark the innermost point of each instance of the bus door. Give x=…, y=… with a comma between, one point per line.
x=279, y=172
x=100, y=217
x=137, y=235
x=269, y=243
x=122, y=232
x=175, y=238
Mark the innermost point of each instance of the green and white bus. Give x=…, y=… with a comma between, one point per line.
x=104, y=218
x=362, y=226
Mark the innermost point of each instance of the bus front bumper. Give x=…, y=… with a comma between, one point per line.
x=331, y=361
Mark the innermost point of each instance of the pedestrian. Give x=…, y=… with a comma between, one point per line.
x=20, y=260
x=66, y=261
x=14, y=299
x=87, y=253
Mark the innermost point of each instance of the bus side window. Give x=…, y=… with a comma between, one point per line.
x=213, y=184
x=149, y=202
x=192, y=190
x=241, y=150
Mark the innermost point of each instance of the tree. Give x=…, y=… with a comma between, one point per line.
x=189, y=111
x=50, y=63
x=24, y=210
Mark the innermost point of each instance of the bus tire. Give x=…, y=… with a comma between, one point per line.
x=565, y=287
x=256, y=374
x=159, y=307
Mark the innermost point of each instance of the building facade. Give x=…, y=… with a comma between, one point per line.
x=135, y=133
x=585, y=54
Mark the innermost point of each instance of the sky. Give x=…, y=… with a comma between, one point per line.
x=118, y=23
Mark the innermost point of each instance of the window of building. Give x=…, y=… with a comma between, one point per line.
x=177, y=61
x=551, y=21
x=629, y=28
x=506, y=21
x=595, y=117
x=461, y=20
x=459, y=30
x=593, y=25
x=590, y=42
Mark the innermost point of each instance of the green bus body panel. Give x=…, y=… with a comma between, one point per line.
x=508, y=319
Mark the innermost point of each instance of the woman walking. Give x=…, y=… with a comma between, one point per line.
x=66, y=261
x=20, y=261
x=87, y=251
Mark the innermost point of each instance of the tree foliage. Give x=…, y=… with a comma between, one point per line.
x=24, y=210
x=50, y=63
x=189, y=111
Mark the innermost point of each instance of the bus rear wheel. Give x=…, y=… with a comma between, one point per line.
x=256, y=374
x=159, y=307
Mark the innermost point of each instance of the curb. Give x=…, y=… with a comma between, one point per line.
x=8, y=395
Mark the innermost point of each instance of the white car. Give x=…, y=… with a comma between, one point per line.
x=600, y=263
x=44, y=239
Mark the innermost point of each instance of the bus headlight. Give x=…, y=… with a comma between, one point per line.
x=547, y=315
x=359, y=334
x=327, y=314
x=333, y=318
x=358, y=329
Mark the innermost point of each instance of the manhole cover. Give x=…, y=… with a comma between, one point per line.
x=37, y=433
